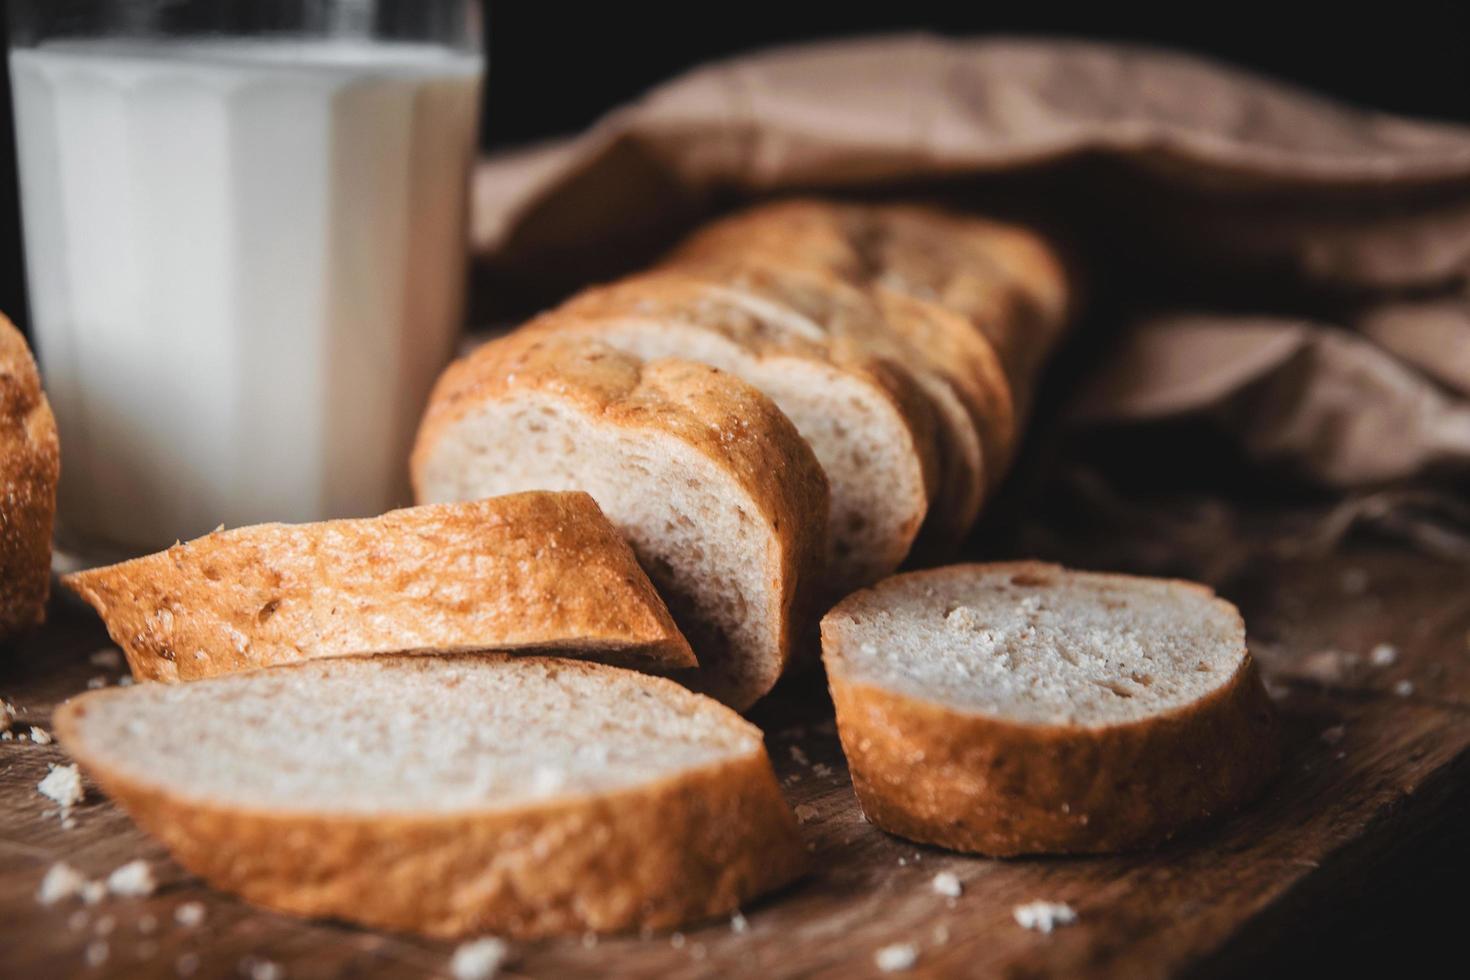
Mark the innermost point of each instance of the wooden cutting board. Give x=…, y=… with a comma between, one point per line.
x=1375, y=756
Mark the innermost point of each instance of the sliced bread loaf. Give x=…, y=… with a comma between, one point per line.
x=525, y=571
x=723, y=502
x=30, y=463
x=1023, y=708
x=863, y=413
x=524, y=796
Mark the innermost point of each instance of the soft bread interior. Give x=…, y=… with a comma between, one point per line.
x=1040, y=644
x=404, y=735
x=691, y=527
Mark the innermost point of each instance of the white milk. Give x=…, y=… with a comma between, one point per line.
x=246, y=267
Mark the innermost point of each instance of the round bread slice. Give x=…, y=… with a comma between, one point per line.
x=863, y=414
x=30, y=463
x=1023, y=708
x=720, y=497
x=526, y=571
x=525, y=796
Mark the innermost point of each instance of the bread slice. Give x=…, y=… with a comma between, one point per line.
x=525, y=571
x=1023, y=708
x=30, y=464
x=523, y=796
x=863, y=413
x=723, y=502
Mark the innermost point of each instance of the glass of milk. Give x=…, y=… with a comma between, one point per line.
x=245, y=242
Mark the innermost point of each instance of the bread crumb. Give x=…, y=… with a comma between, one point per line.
x=96, y=953
x=805, y=812
x=1384, y=655
x=93, y=892
x=822, y=771
x=948, y=885
x=739, y=924
x=40, y=736
x=1331, y=666
x=62, y=881
x=105, y=925
x=1334, y=734
x=190, y=914
x=941, y=934
x=125, y=681
x=6, y=736
x=1044, y=916
x=62, y=784
x=799, y=757
x=677, y=940
x=1404, y=688
x=480, y=959
x=897, y=957
x=260, y=969
x=96, y=683
x=132, y=880
x=108, y=657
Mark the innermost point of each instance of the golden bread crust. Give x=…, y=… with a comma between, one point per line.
x=30, y=465
x=531, y=570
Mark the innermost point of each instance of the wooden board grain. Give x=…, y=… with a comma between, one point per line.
x=1372, y=766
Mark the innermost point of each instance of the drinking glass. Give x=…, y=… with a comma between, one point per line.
x=245, y=230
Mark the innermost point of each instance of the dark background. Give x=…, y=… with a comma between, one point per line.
x=554, y=67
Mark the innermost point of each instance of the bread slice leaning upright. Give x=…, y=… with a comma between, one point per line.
x=524, y=796
x=1023, y=708
x=720, y=497
x=30, y=464
x=524, y=571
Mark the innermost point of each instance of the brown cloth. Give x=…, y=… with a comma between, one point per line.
x=1290, y=268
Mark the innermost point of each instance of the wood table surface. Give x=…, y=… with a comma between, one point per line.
x=1376, y=756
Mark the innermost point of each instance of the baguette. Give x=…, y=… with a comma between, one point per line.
x=1021, y=708
x=526, y=571
x=452, y=795
x=30, y=464
x=720, y=497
